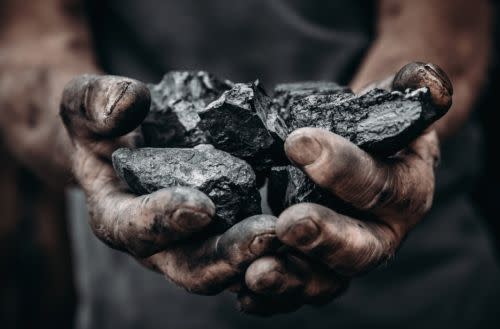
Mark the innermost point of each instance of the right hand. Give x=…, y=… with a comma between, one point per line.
x=326, y=248
x=100, y=114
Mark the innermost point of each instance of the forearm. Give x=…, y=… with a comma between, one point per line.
x=454, y=34
x=44, y=44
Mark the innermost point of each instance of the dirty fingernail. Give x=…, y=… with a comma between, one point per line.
x=302, y=149
x=301, y=233
x=190, y=220
x=441, y=76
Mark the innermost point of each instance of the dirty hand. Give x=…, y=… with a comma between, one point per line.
x=101, y=114
x=326, y=248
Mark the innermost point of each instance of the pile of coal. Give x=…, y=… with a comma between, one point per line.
x=247, y=129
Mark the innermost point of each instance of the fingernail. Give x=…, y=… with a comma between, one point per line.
x=115, y=95
x=441, y=76
x=263, y=243
x=190, y=220
x=302, y=233
x=269, y=282
x=302, y=149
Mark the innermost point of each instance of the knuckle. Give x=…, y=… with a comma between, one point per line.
x=407, y=189
x=353, y=259
x=418, y=190
x=355, y=249
x=384, y=189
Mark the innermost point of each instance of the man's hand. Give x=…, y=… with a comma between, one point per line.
x=100, y=114
x=327, y=247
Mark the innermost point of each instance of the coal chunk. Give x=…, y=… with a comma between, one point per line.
x=380, y=122
x=237, y=123
x=175, y=102
x=228, y=181
x=286, y=93
x=277, y=185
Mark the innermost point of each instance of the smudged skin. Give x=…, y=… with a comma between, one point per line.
x=101, y=113
x=391, y=194
x=155, y=228
x=38, y=60
x=433, y=31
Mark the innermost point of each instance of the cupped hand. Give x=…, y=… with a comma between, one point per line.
x=163, y=230
x=327, y=248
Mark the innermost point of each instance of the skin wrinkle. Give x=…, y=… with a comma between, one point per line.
x=353, y=254
x=413, y=195
x=338, y=178
x=207, y=279
x=353, y=250
x=117, y=99
x=383, y=195
x=145, y=225
x=303, y=283
x=106, y=198
x=115, y=219
x=466, y=37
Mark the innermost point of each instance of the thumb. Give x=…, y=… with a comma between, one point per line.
x=95, y=107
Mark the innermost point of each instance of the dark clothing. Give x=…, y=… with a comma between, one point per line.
x=275, y=41
x=444, y=275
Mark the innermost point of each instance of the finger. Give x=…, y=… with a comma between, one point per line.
x=210, y=266
x=402, y=185
x=272, y=276
x=144, y=225
x=295, y=277
x=346, y=245
x=417, y=75
x=97, y=111
x=94, y=107
x=317, y=287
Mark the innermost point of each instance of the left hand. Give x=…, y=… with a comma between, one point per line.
x=328, y=248
x=163, y=230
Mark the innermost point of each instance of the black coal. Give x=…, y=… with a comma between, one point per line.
x=247, y=129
